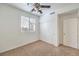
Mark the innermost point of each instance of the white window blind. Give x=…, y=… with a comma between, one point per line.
x=27, y=24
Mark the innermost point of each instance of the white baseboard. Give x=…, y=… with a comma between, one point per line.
x=51, y=43
x=18, y=46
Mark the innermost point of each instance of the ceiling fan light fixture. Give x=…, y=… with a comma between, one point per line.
x=37, y=7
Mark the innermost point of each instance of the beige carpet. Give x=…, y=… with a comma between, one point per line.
x=41, y=48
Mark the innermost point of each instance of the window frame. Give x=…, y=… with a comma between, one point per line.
x=34, y=24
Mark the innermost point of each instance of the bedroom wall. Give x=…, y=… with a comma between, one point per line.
x=48, y=29
x=10, y=28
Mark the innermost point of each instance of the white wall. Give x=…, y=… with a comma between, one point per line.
x=10, y=28
x=48, y=29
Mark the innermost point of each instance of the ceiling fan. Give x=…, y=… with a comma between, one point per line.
x=37, y=7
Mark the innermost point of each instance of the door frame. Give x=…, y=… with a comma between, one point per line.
x=59, y=15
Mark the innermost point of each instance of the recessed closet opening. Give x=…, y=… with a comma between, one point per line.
x=68, y=28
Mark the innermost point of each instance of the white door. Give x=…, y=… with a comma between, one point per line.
x=70, y=32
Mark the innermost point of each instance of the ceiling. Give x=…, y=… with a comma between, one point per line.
x=54, y=6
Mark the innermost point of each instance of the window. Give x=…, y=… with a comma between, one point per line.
x=27, y=24
x=32, y=24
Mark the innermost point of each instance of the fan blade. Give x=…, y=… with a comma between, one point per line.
x=32, y=10
x=45, y=6
x=40, y=11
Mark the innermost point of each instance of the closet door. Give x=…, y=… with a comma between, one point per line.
x=70, y=32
